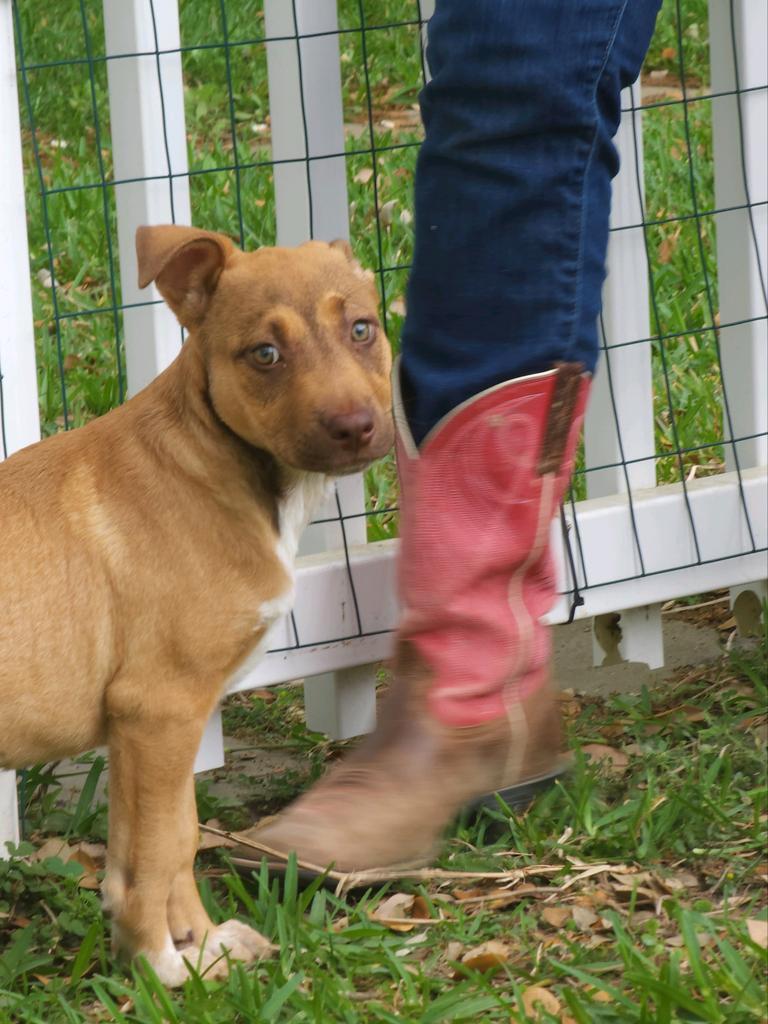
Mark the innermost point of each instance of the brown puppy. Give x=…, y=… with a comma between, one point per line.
x=145, y=555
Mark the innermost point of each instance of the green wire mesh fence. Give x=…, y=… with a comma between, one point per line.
x=264, y=170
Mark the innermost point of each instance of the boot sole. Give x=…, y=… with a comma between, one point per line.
x=515, y=797
x=340, y=882
x=518, y=796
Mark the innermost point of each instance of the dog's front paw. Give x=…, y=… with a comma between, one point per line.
x=170, y=965
x=233, y=940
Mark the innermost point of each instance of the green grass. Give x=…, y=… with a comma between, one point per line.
x=78, y=357
x=659, y=934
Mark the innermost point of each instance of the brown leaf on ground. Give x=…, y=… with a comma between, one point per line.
x=91, y=867
x=92, y=857
x=264, y=694
x=364, y=175
x=469, y=894
x=613, y=760
x=677, y=881
x=758, y=931
x=555, y=917
x=420, y=907
x=485, y=957
x=453, y=950
x=537, y=998
x=601, y=996
x=668, y=246
x=584, y=918
x=54, y=846
x=395, y=911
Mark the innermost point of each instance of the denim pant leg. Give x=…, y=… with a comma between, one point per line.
x=512, y=190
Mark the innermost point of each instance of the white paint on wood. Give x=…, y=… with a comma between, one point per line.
x=631, y=635
x=620, y=415
x=9, y=814
x=18, y=373
x=311, y=201
x=323, y=605
x=210, y=754
x=304, y=76
x=742, y=234
x=341, y=704
x=21, y=420
x=146, y=104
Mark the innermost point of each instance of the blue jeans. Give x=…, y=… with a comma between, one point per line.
x=512, y=193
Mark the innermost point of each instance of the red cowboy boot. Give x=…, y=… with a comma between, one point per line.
x=471, y=710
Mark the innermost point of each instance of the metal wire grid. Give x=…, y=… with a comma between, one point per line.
x=364, y=31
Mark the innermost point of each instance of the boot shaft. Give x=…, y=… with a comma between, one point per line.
x=477, y=503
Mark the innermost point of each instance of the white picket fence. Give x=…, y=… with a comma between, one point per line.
x=638, y=544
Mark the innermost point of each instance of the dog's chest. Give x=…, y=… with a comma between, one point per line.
x=295, y=510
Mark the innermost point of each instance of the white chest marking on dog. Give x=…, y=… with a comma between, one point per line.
x=302, y=500
x=305, y=495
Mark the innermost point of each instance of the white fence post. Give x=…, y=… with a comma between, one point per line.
x=619, y=421
x=146, y=104
x=426, y=10
x=149, y=143
x=311, y=202
x=740, y=142
x=18, y=374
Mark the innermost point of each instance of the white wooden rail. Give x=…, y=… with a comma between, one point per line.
x=619, y=424
x=150, y=163
x=741, y=177
x=307, y=126
x=18, y=377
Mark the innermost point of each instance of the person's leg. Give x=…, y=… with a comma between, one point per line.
x=512, y=204
x=512, y=192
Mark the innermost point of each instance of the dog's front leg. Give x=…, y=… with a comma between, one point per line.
x=153, y=836
x=191, y=928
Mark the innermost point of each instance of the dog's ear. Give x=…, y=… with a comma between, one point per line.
x=342, y=245
x=185, y=263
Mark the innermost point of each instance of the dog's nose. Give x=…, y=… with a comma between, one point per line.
x=351, y=429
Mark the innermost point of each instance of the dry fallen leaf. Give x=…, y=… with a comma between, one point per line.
x=91, y=856
x=615, y=761
x=469, y=894
x=420, y=907
x=89, y=878
x=394, y=912
x=453, y=950
x=485, y=956
x=397, y=306
x=55, y=846
x=668, y=246
x=758, y=931
x=536, y=997
x=555, y=917
x=387, y=213
x=584, y=918
x=678, y=881
x=603, y=997
x=364, y=176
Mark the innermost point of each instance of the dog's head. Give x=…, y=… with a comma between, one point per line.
x=297, y=361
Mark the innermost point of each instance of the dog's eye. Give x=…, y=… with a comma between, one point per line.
x=362, y=331
x=266, y=355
